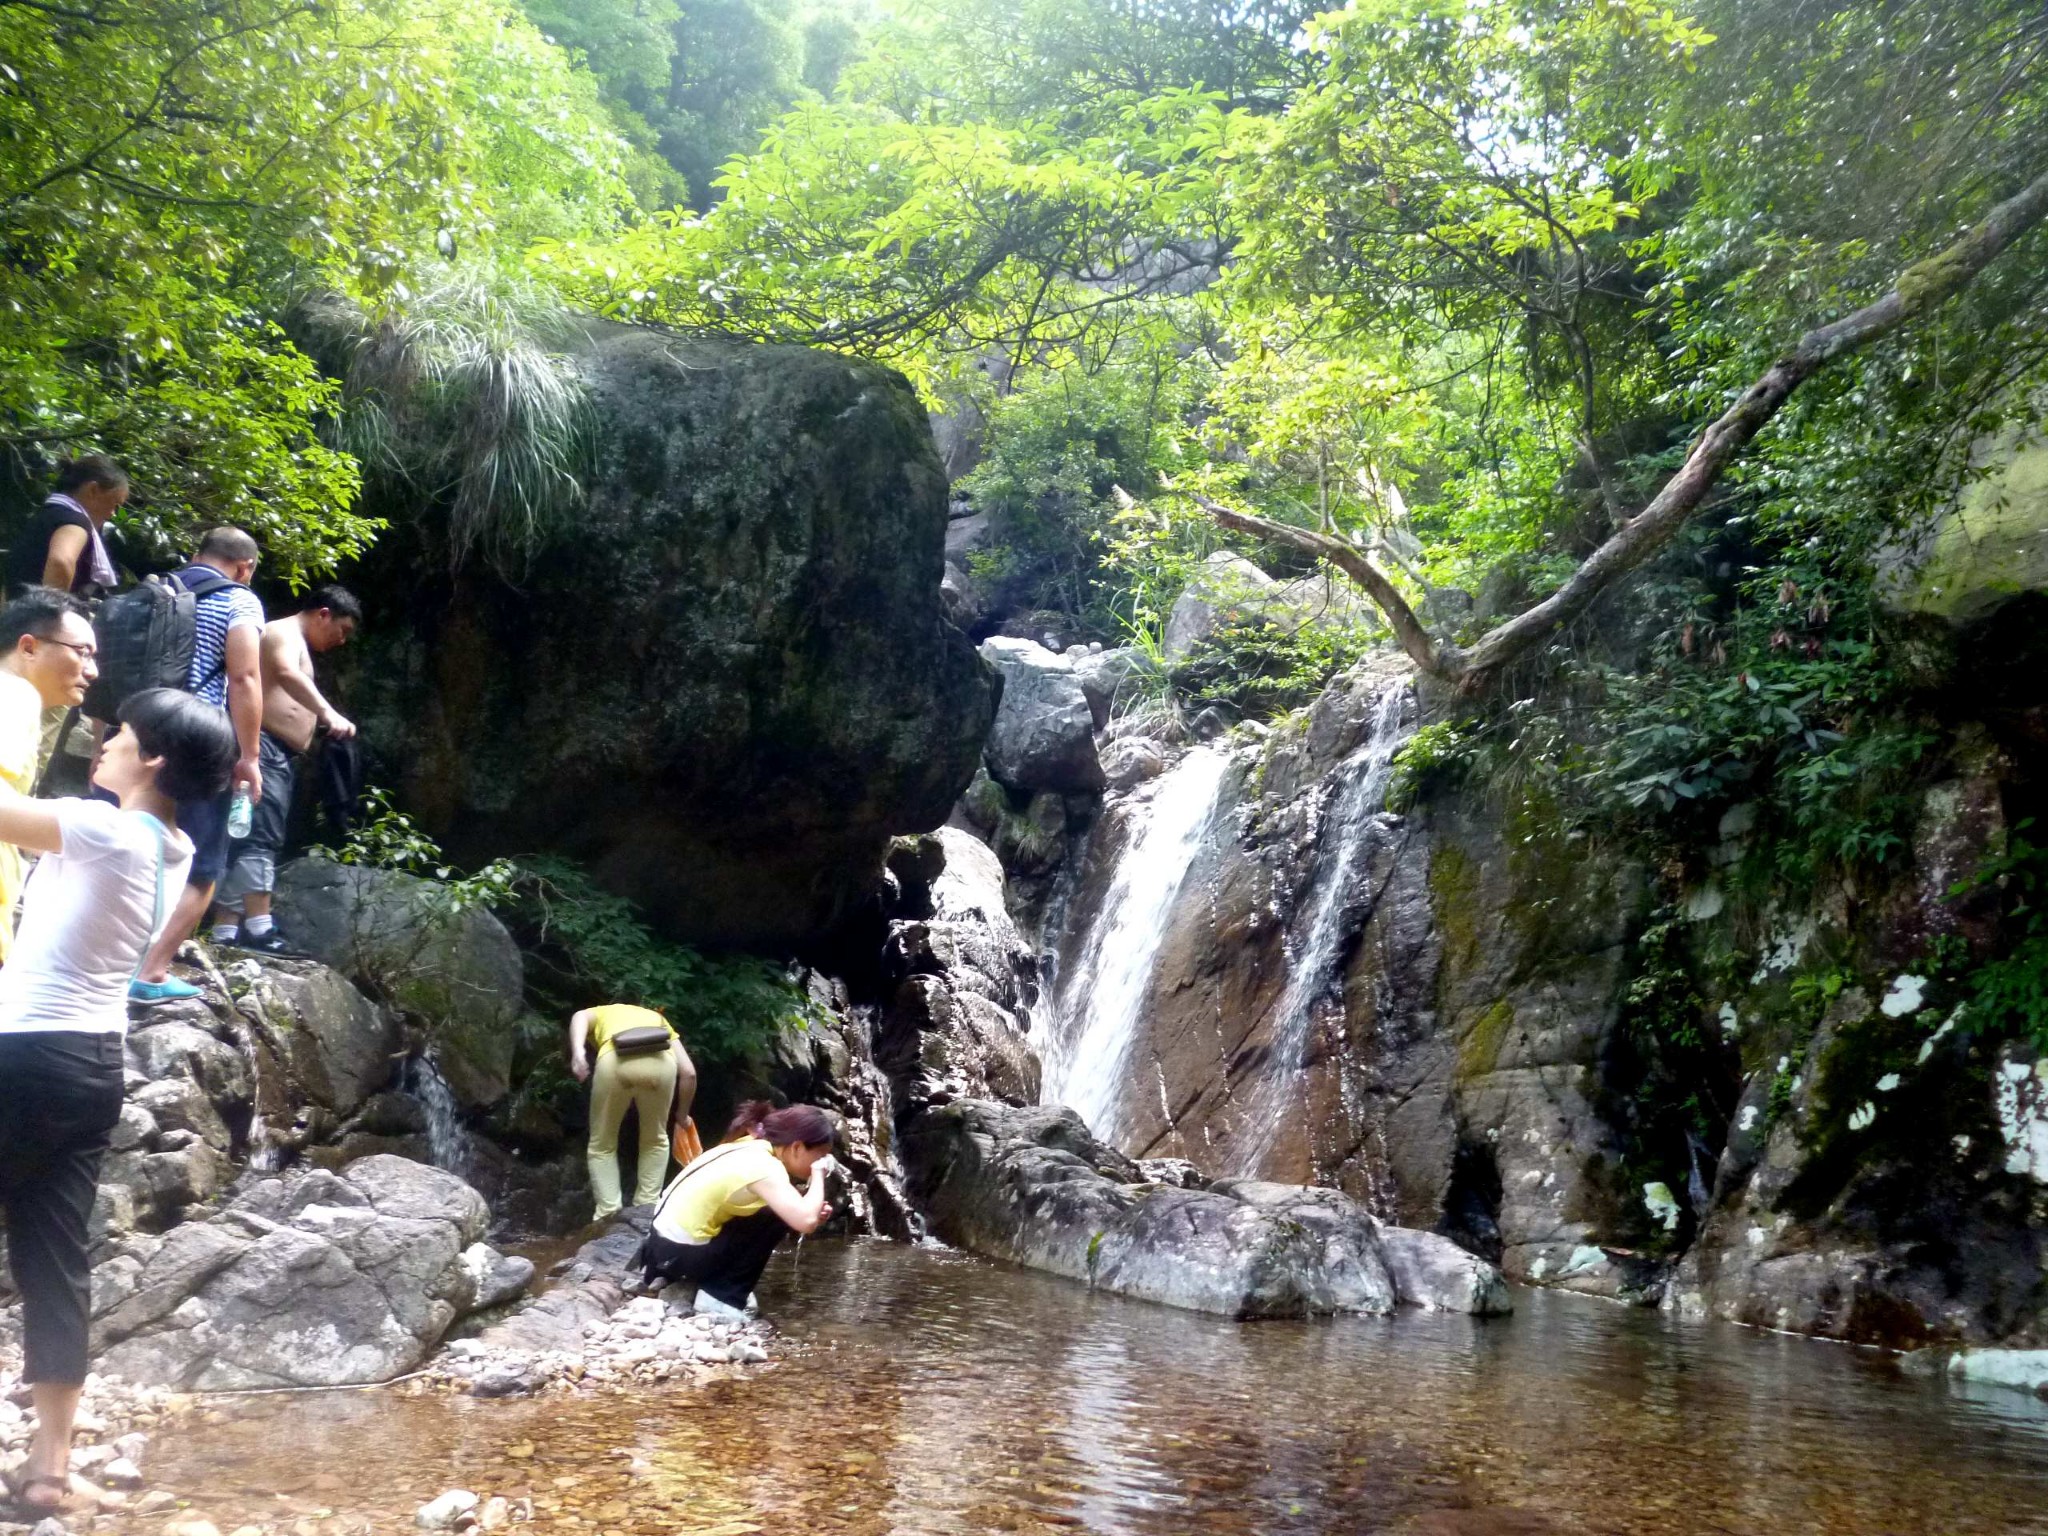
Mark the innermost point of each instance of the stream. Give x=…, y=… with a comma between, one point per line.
x=928, y=1391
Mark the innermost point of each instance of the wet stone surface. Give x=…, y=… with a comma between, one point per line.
x=922, y=1391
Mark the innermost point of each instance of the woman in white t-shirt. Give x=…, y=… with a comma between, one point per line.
x=103, y=889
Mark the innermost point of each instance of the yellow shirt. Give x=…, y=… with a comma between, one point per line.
x=613, y=1018
x=713, y=1190
x=21, y=745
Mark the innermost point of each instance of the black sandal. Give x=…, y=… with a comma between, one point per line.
x=22, y=1488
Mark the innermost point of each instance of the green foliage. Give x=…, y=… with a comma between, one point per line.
x=1436, y=757
x=459, y=396
x=1262, y=665
x=384, y=837
x=1066, y=450
x=164, y=195
x=2009, y=994
x=593, y=947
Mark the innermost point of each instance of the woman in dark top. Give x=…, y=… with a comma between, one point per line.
x=64, y=545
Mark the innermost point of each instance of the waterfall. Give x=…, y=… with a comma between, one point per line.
x=1329, y=920
x=447, y=1137
x=1095, y=1017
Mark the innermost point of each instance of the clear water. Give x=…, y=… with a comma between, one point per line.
x=1101, y=1000
x=931, y=1392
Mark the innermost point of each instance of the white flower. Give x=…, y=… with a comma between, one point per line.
x=1905, y=996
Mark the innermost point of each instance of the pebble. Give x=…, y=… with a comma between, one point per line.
x=445, y=1512
x=49, y=1525
x=191, y=1525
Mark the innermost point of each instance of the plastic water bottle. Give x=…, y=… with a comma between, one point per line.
x=241, y=812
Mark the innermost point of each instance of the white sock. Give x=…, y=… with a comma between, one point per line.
x=226, y=933
x=256, y=927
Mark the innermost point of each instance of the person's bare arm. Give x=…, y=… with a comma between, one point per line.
x=60, y=563
x=281, y=665
x=686, y=1083
x=579, y=1032
x=801, y=1213
x=30, y=824
x=244, y=658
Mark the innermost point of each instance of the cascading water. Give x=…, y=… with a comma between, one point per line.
x=447, y=1137
x=1095, y=1014
x=1330, y=918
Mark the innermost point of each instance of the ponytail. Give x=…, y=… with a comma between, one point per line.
x=796, y=1125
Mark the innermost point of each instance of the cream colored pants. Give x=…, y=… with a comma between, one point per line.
x=648, y=1083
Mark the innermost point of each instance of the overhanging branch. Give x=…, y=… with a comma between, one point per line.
x=1438, y=657
x=1920, y=288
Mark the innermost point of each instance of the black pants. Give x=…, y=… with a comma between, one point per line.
x=725, y=1268
x=60, y=1098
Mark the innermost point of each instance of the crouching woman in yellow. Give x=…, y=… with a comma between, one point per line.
x=719, y=1221
x=631, y=1056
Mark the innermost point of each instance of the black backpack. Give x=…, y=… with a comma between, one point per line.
x=146, y=635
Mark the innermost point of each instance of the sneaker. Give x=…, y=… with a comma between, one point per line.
x=708, y=1305
x=271, y=943
x=169, y=990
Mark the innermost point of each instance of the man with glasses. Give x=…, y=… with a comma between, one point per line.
x=47, y=663
x=227, y=671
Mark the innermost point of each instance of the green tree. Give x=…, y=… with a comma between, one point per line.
x=163, y=201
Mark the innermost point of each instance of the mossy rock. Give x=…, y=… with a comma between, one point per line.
x=727, y=682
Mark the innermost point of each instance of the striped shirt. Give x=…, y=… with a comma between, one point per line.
x=213, y=616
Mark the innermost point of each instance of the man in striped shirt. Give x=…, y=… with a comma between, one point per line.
x=226, y=672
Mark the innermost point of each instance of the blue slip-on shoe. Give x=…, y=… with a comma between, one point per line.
x=169, y=990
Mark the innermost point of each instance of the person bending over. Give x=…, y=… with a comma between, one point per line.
x=721, y=1218
x=630, y=1057
x=105, y=886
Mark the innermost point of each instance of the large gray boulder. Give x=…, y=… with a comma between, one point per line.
x=1032, y=1186
x=340, y=1045
x=322, y=1280
x=722, y=683
x=457, y=973
x=1043, y=737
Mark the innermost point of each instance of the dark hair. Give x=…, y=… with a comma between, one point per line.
x=195, y=739
x=90, y=469
x=337, y=600
x=227, y=544
x=796, y=1125
x=36, y=611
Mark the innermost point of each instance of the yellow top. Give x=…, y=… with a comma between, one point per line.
x=713, y=1190
x=21, y=744
x=612, y=1018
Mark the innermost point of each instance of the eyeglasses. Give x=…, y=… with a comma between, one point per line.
x=87, y=651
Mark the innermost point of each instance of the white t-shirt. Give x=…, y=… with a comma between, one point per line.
x=87, y=915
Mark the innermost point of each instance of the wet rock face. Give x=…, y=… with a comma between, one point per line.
x=730, y=681
x=1034, y=1187
x=957, y=1021
x=318, y=1280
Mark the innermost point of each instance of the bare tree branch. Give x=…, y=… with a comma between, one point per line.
x=1920, y=288
x=1435, y=656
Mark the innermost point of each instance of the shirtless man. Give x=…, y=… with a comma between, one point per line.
x=294, y=712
